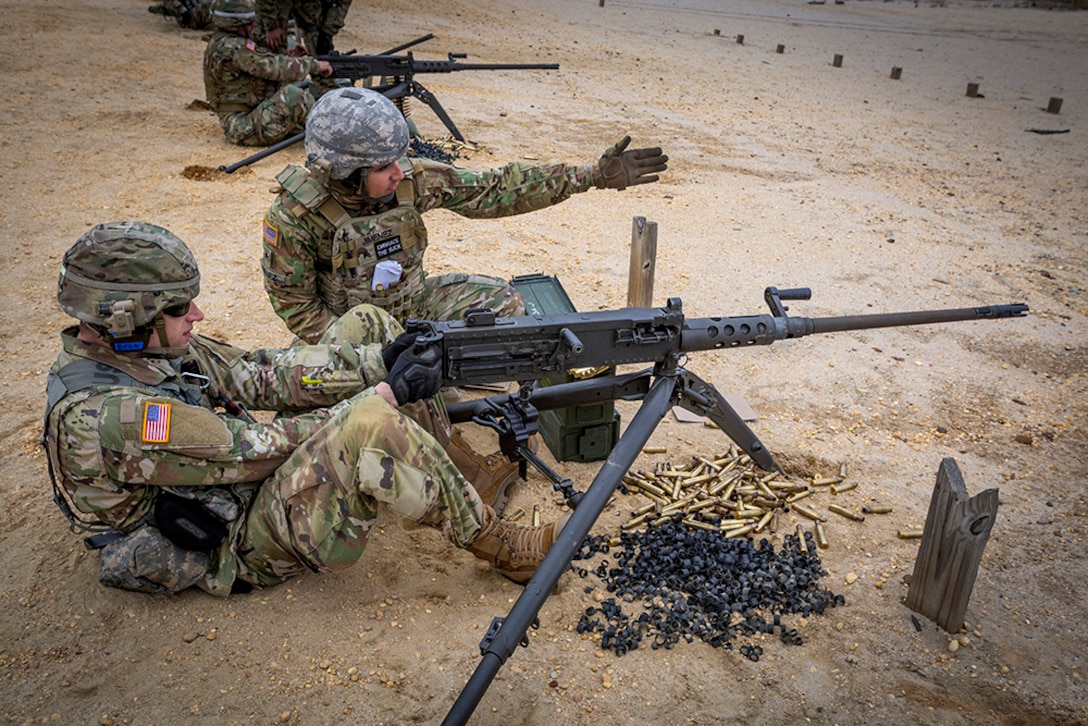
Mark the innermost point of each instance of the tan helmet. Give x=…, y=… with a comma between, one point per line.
x=233, y=14
x=119, y=276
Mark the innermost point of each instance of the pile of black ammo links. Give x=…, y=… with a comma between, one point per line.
x=430, y=150
x=694, y=583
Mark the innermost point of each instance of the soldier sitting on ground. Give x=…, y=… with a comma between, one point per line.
x=148, y=435
x=194, y=14
x=255, y=92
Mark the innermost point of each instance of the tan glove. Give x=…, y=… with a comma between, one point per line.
x=619, y=169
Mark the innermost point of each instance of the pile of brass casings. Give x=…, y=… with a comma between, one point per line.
x=730, y=494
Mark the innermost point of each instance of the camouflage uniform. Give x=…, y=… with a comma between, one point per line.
x=317, y=20
x=320, y=252
x=194, y=14
x=300, y=493
x=254, y=91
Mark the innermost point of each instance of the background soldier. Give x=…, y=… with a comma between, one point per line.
x=147, y=435
x=318, y=21
x=195, y=14
x=347, y=229
x=254, y=91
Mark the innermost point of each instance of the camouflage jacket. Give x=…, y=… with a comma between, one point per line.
x=311, y=15
x=239, y=73
x=108, y=455
x=298, y=228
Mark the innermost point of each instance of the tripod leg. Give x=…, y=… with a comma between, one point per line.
x=431, y=100
x=702, y=398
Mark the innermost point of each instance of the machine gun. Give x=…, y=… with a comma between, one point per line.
x=398, y=75
x=483, y=348
x=396, y=81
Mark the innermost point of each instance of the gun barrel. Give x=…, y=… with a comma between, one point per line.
x=921, y=317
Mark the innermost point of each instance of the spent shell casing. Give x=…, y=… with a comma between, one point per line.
x=843, y=511
x=729, y=534
x=821, y=537
x=645, y=509
x=910, y=533
x=797, y=496
x=842, y=470
x=763, y=522
x=877, y=509
x=806, y=512
x=536, y=515
x=801, y=544
x=699, y=525
x=654, y=450
x=516, y=514
x=843, y=487
x=823, y=481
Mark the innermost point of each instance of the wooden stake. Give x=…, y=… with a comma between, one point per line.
x=640, y=277
x=956, y=532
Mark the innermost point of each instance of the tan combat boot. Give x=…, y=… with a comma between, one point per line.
x=514, y=551
x=491, y=475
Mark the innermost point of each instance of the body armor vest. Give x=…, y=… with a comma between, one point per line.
x=346, y=259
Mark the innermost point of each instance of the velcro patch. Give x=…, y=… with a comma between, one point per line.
x=387, y=247
x=250, y=45
x=271, y=234
x=156, y=429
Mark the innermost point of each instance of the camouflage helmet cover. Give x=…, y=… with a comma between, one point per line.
x=121, y=275
x=232, y=14
x=355, y=128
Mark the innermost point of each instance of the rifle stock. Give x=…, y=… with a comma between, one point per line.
x=485, y=349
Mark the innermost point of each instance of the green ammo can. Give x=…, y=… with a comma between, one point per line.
x=586, y=432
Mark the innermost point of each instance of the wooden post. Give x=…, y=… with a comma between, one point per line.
x=972, y=90
x=837, y=61
x=640, y=278
x=897, y=73
x=780, y=48
x=740, y=39
x=956, y=532
x=1055, y=105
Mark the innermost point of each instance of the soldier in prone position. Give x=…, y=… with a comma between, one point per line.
x=254, y=91
x=148, y=437
x=348, y=228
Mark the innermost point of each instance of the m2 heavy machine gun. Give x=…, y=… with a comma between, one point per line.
x=483, y=348
x=394, y=76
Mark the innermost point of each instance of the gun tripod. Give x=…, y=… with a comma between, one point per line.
x=513, y=416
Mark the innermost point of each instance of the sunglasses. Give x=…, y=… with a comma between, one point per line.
x=177, y=311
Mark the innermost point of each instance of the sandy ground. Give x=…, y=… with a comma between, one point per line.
x=785, y=170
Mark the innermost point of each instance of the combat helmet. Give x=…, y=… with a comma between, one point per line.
x=120, y=276
x=355, y=128
x=233, y=14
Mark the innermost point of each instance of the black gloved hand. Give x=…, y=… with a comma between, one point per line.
x=416, y=374
x=391, y=352
x=620, y=169
x=324, y=43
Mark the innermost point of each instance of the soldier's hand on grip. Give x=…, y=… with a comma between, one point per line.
x=416, y=374
x=391, y=352
x=620, y=168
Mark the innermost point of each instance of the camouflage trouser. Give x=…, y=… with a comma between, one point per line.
x=281, y=115
x=308, y=18
x=316, y=511
x=449, y=296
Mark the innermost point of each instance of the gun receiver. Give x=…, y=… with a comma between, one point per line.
x=485, y=349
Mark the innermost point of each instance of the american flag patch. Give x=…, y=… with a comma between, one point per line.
x=156, y=423
x=271, y=234
x=251, y=45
